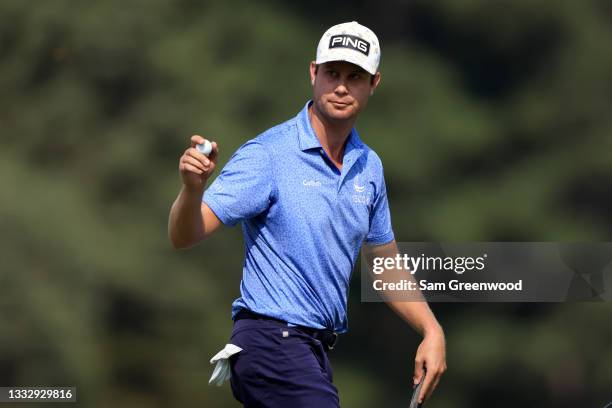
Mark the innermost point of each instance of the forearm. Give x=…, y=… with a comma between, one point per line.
x=415, y=311
x=186, y=224
x=431, y=354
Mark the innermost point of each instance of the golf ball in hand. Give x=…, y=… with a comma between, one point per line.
x=204, y=148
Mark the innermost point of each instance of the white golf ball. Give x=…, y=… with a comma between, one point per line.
x=204, y=148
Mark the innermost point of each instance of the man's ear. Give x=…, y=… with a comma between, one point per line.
x=313, y=72
x=375, y=83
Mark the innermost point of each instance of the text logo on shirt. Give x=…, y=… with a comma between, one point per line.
x=350, y=41
x=361, y=199
x=311, y=183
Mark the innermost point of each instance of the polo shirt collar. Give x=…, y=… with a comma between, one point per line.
x=309, y=140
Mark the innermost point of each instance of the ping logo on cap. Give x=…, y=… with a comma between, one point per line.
x=350, y=41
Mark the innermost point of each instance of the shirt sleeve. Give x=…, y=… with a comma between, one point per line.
x=381, y=231
x=244, y=188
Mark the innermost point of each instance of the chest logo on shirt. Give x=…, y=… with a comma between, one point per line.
x=357, y=187
x=361, y=196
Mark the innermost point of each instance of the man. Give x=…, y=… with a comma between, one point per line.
x=309, y=193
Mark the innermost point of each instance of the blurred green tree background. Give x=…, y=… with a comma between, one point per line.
x=492, y=119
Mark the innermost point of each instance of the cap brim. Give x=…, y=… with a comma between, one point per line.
x=353, y=61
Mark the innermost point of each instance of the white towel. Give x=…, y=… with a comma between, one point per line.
x=222, y=372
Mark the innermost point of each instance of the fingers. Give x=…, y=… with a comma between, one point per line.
x=192, y=161
x=434, y=385
x=193, y=152
x=197, y=159
x=197, y=139
x=196, y=162
x=426, y=386
x=418, y=371
x=432, y=378
x=188, y=167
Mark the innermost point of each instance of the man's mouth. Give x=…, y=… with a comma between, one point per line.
x=340, y=104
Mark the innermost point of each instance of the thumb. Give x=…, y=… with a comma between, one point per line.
x=196, y=139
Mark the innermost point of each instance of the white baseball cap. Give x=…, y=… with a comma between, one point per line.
x=350, y=42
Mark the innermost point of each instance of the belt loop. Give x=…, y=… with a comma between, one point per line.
x=333, y=344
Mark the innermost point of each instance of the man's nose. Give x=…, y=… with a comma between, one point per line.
x=341, y=88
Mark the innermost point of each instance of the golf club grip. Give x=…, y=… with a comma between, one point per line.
x=414, y=401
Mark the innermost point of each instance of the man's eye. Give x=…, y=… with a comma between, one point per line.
x=355, y=76
x=333, y=74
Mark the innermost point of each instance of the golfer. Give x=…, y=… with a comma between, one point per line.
x=309, y=193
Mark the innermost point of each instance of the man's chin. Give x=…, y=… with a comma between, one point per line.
x=341, y=114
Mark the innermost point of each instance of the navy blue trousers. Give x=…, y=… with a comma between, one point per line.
x=280, y=366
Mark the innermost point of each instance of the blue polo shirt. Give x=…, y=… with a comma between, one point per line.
x=303, y=221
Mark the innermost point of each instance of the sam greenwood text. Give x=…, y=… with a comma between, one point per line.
x=453, y=285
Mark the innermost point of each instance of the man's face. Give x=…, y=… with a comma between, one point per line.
x=340, y=90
